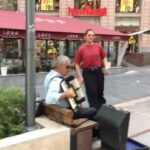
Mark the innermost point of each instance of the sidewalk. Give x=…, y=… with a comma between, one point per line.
x=139, y=125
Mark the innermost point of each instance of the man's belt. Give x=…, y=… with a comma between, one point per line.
x=92, y=69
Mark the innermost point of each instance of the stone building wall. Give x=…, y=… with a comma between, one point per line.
x=145, y=24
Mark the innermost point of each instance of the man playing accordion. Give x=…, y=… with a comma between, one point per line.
x=59, y=93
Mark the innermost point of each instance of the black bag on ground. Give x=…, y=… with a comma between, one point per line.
x=39, y=107
x=114, y=124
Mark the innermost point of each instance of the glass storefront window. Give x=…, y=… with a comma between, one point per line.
x=8, y=5
x=128, y=6
x=47, y=5
x=73, y=46
x=46, y=51
x=11, y=48
x=41, y=51
x=11, y=55
x=111, y=51
x=81, y=4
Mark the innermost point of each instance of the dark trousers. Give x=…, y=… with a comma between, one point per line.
x=94, y=85
x=90, y=113
x=85, y=113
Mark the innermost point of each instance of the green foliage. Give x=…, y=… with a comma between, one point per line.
x=11, y=111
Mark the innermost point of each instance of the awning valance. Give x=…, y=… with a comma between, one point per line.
x=12, y=25
x=147, y=31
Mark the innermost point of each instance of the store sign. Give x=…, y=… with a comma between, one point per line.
x=132, y=40
x=87, y=11
x=9, y=34
x=116, y=38
x=42, y=35
x=72, y=36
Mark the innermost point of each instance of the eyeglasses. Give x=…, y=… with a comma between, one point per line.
x=68, y=67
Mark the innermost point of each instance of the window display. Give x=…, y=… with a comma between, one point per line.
x=8, y=5
x=128, y=6
x=11, y=55
x=92, y=4
x=73, y=45
x=11, y=48
x=46, y=51
x=47, y=5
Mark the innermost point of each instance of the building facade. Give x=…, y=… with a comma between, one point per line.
x=126, y=16
x=123, y=15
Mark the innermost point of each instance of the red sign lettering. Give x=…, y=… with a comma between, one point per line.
x=87, y=11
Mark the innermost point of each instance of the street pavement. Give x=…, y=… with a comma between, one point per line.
x=131, y=83
x=139, y=126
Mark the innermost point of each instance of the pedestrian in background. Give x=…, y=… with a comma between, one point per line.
x=52, y=54
x=38, y=62
x=51, y=51
x=127, y=51
x=91, y=57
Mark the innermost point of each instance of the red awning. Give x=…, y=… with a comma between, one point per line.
x=12, y=25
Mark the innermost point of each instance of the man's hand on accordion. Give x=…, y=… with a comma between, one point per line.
x=69, y=93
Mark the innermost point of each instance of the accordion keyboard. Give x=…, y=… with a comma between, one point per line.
x=72, y=101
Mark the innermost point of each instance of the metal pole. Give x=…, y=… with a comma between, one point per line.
x=30, y=66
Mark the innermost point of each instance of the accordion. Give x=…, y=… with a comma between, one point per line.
x=72, y=82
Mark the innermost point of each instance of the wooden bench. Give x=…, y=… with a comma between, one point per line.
x=81, y=129
x=61, y=115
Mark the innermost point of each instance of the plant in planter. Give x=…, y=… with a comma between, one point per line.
x=11, y=112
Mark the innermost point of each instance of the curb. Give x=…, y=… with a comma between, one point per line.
x=133, y=102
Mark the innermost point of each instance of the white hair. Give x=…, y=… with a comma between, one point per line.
x=60, y=60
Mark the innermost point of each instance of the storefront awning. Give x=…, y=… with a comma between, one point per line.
x=147, y=31
x=12, y=25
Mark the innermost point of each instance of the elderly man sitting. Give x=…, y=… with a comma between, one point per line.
x=54, y=94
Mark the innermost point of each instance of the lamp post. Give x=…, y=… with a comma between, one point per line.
x=30, y=67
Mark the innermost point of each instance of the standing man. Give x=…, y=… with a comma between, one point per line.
x=91, y=57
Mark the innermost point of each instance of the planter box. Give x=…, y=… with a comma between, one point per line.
x=4, y=71
x=138, y=59
x=47, y=138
